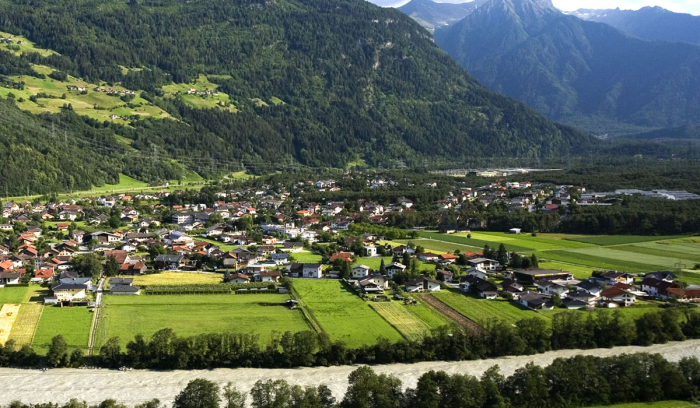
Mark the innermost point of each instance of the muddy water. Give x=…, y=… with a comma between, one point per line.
x=132, y=387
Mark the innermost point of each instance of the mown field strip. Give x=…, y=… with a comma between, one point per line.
x=660, y=252
x=482, y=310
x=650, y=260
x=410, y=326
x=27, y=321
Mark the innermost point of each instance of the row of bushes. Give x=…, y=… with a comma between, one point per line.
x=204, y=288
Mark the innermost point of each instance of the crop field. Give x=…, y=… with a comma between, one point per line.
x=634, y=312
x=191, y=315
x=527, y=241
x=427, y=314
x=13, y=294
x=73, y=323
x=27, y=321
x=630, y=258
x=483, y=310
x=607, y=240
x=342, y=314
x=176, y=278
x=398, y=316
x=473, y=242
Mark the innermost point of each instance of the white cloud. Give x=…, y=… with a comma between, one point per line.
x=679, y=6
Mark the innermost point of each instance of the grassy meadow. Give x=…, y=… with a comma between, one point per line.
x=191, y=315
x=73, y=323
x=342, y=314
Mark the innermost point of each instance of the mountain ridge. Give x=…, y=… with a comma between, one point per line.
x=583, y=73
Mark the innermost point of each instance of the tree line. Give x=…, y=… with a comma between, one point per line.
x=579, y=381
x=569, y=330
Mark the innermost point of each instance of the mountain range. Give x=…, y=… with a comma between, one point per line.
x=579, y=72
x=432, y=15
x=315, y=82
x=649, y=23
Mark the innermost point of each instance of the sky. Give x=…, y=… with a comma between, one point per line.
x=679, y=6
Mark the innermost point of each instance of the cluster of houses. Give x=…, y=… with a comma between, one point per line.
x=194, y=91
x=537, y=288
x=114, y=91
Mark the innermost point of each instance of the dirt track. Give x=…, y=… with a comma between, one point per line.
x=132, y=387
x=452, y=314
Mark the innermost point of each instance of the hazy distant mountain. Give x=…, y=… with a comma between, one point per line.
x=576, y=71
x=432, y=15
x=651, y=23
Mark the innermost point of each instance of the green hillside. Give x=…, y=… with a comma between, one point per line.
x=322, y=83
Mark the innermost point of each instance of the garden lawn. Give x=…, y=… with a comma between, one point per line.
x=306, y=257
x=580, y=272
x=73, y=323
x=342, y=314
x=374, y=263
x=13, y=294
x=191, y=315
x=482, y=310
x=398, y=316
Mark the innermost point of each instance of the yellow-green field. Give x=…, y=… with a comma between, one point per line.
x=176, y=278
x=399, y=317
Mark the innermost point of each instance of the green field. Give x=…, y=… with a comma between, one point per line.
x=580, y=272
x=342, y=314
x=13, y=294
x=581, y=254
x=399, y=317
x=427, y=314
x=176, y=278
x=306, y=257
x=73, y=323
x=191, y=315
x=658, y=404
x=483, y=310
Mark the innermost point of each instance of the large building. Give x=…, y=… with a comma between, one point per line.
x=529, y=276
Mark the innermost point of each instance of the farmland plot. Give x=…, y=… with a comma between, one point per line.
x=73, y=323
x=191, y=315
x=342, y=314
x=483, y=310
x=397, y=315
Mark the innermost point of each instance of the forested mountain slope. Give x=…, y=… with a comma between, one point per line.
x=579, y=72
x=650, y=23
x=321, y=82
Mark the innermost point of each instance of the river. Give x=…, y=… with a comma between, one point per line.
x=136, y=386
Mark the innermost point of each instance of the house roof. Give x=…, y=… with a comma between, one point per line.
x=419, y=281
x=68, y=286
x=124, y=288
x=614, y=292
x=121, y=281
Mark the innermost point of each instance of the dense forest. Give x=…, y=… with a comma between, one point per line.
x=357, y=81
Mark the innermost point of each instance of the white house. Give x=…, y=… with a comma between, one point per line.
x=552, y=288
x=619, y=296
x=312, y=271
x=394, y=268
x=484, y=264
x=360, y=271
x=422, y=284
x=370, y=250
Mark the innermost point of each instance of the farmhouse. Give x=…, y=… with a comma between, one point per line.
x=478, y=286
x=422, y=284
x=552, y=288
x=619, y=296
x=373, y=284
x=529, y=276
x=428, y=257
x=685, y=295
x=70, y=293
x=613, y=277
x=239, y=278
x=484, y=264
x=657, y=287
x=9, y=278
